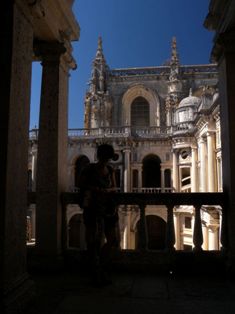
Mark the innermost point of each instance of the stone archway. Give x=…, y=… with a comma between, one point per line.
x=156, y=230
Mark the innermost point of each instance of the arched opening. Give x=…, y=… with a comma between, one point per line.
x=135, y=178
x=81, y=162
x=118, y=178
x=185, y=179
x=167, y=177
x=140, y=112
x=75, y=231
x=151, y=171
x=156, y=230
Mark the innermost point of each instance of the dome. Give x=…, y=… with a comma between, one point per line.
x=185, y=113
x=190, y=101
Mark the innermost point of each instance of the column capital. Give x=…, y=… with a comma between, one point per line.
x=201, y=140
x=49, y=51
x=126, y=150
x=194, y=147
x=224, y=44
x=210, y=133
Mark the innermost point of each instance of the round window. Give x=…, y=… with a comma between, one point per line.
x=184, y=154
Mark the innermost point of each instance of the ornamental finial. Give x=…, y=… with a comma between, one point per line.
x=174, y=53
x=99, y=53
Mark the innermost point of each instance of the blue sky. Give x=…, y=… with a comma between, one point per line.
x=135, y=33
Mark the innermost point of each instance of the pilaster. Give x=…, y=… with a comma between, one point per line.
x=194, y=176
x=226, y=66
x=52, y=148
x=175, y=171
x=203, y=168
x=211, y=161
x=127, y=182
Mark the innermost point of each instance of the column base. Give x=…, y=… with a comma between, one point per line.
x=17, y=296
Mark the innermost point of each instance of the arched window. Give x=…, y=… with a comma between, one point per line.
x=140, y=112
x=152, y=171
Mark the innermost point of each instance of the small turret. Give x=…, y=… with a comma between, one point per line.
x=99, y=73
x=174, y=83
x=98, y=104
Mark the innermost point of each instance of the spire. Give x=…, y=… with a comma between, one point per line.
x=99, y=70
x=174, y=63
x=99, y=52
x=174, y=53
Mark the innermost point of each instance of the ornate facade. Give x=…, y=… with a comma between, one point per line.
x=164, y=123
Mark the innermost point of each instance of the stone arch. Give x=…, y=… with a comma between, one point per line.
x=156, y=230
x=149, y=95
x=151, y=171
x=160, y=211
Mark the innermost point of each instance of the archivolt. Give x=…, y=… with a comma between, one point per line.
x=141, y=91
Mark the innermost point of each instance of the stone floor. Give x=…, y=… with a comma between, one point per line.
x=133, y=293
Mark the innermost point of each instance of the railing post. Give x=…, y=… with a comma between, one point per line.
x=170, y=230
x=197, y=233
x=143, y=236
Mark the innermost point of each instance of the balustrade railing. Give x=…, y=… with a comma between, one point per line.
x=135, y=190
x=123, y=131
x=170, y=200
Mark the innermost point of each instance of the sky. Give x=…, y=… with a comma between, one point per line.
x=135, y=33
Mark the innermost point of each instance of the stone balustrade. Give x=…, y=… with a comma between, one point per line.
x=123, y=131
x=170, y=200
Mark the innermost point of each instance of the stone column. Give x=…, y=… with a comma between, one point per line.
x=197, y=230
x=219, y=174
x=127, y=181
x=226, y=64
x=140, y=179
x=34, y=168
x=126, y=235
x=194, y=177
x=52, y=149
x=211, y=161
x=162, y=179
x=202, y=152
x=213, y=238
x=175, y=172
x=15, y=63
x=205, y=237
x=170, y=229
x=177, y=230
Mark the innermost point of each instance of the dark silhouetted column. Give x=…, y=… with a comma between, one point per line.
x=15, y=63
x=52, y=149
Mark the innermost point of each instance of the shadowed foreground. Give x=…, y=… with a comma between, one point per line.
x=70, y=293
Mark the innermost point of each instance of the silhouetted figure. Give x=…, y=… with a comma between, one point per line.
x=99, y=213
